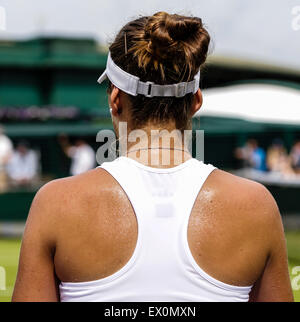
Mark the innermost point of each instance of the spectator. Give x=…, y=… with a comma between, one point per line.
x=244, y=155
x=278, y=160
x=82, y=155
x=258, y=159
x=295, y=156
x=23, y=165
x=6, y=149
x=252, y=155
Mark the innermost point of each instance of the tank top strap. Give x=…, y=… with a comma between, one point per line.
x=194, y=180
x=131, y=182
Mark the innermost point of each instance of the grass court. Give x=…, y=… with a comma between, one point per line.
x=10, y=248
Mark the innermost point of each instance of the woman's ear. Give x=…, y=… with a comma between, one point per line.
x=198, y=100
x=114, y=101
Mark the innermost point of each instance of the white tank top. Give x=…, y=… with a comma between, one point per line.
x=162, y=267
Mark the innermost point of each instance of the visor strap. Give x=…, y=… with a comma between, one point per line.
x=132, y=85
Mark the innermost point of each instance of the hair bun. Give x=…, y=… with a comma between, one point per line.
x=173, y=43
x=182, y=28
x=165, y=31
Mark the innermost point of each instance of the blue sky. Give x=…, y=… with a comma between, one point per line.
x=262, y=30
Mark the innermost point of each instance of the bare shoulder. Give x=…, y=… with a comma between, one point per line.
x=69, y=196
x=244, y=205
x=242, y=193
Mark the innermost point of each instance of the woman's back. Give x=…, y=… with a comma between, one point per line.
x=96, y=233
x=161, y=267
x=90, y=230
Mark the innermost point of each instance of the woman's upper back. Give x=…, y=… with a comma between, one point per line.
x=130, y=228
x=84, y=228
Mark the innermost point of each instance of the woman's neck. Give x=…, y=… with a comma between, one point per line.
x=158, y=147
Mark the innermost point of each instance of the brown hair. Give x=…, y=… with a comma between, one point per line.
x=165, y=49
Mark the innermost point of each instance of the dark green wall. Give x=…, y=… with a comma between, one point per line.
x=52, y=71
x=77, y=88
x=14, y=206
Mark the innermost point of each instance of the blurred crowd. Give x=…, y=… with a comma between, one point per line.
x=82, y=156
x=275, y=159
x=20, y=165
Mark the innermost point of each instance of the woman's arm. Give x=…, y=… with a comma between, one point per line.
x=274, y=284
x=36, y=279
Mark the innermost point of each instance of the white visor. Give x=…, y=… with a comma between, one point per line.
x=132, y=85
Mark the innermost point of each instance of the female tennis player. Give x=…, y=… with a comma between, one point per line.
x=138, y=230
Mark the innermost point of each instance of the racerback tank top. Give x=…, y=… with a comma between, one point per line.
x=162, y=267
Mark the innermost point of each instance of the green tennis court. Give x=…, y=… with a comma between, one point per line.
x=9, y=253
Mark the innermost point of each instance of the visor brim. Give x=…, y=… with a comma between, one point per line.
x=102, y=78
